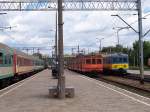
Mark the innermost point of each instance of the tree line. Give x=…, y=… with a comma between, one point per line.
x=133, y=52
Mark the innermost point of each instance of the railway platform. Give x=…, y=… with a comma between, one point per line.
x=138, y=72
x=91, y=95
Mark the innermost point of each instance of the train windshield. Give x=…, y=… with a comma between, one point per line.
x=1, y=58
x=120, y=60
x=125, y=60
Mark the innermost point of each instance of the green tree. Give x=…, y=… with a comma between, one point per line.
x=116, y=49
x=146, y=51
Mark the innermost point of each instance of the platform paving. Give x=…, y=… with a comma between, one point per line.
x=90, y=96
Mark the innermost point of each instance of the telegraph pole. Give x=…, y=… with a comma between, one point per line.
x=118, y=30
x=56, y=45
x=78, y=49
x=140, y=41
x=118, y=36
x=100, y=44
x=56, y=41
x=61, y=79
x=72, y=49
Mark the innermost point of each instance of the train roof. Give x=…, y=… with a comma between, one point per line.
x=9, y=50
x=116, y=55
x=90, y=55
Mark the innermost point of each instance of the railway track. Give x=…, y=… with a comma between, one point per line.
x=130, y=82
x=137, y=77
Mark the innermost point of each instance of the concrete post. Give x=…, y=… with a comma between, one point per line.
x=140, y=42
x=61, y=79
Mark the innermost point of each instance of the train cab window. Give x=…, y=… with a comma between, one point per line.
x=99, y=61
x=93, y=61
x=125, y=60
x=1, y=58
x=88, y=61
x=120, y=60
x=115, y=60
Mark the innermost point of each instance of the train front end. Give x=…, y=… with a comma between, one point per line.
x=116, y=63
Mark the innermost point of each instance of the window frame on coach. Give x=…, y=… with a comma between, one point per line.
x=7, y=58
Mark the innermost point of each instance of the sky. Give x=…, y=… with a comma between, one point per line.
x=37, y=29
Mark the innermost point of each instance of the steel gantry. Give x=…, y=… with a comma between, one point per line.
x=68, y=5
x=76, y=5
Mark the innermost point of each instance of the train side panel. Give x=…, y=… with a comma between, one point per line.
x=87, y=63
x=23, y=65
x=6, y=72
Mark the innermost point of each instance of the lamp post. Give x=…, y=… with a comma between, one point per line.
x=100, y=44
x=56, y=43
x=118, y=30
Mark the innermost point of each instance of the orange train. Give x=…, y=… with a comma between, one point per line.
x=106, y=63
x=85, y=63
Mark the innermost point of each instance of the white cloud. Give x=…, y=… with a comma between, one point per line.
x=79, y=28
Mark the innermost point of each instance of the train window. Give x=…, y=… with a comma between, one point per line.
x=1, y=58
x=115, y=60
x=88, y=61
x=120, y=60
x=7, y=59
x=99, y=61
x=125, y=60
x=93, y=61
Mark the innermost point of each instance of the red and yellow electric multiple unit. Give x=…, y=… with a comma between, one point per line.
x=85, y=63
